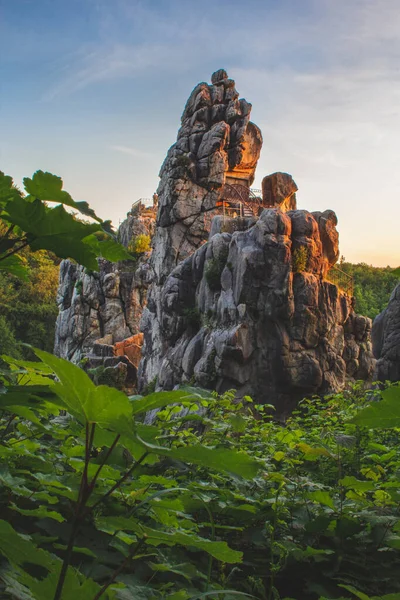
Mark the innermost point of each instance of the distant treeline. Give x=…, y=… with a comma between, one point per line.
x=28, y=309
x=372, y=286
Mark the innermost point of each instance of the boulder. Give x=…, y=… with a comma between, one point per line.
x=279, y=190
x=386, y=340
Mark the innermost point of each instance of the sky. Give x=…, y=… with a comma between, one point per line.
x=93, y=91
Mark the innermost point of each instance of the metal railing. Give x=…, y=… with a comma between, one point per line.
x=341, y=279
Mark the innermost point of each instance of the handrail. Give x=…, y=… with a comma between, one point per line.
x=341, y=279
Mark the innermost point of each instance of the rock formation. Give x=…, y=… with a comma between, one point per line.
x=100, y=312
x=279, y=189
x=216, y=144
x=236, y=314
x=231, y=302
x=386, y=340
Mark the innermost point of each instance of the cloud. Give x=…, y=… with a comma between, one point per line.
x=132, y=151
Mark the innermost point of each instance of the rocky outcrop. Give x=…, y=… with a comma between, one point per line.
x=236, y=314
x=279, y=190
x=97, y=311
x=216, y=144
x=220, y=302
x=386, y=340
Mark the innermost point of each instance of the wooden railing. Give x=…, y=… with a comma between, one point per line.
x=343, y=281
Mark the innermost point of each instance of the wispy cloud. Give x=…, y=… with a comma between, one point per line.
x=132, y=151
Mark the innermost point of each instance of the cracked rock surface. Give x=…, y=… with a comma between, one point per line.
x=104, y=307
x=386, y=340
x=216, y=143
x=235, y=314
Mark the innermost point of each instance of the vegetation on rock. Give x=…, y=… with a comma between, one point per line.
x=300, y=259
x=140, y=244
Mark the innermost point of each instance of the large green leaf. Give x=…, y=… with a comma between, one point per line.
x=53, y=229
x=36, y=218
x=46, y=186
x=108, y=248
x=7, y=190
x=76, y=586
x=19, y=549
x=321, y=497
x=155, y=537
x=66, y=246
x=15, y=266
x=103, y=405
x=161, y=399
x=384, y=414
x=220, y=459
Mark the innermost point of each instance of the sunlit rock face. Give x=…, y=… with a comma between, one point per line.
x=279, y=189
x=236, y=314
x=216, y=144
x=386, y=340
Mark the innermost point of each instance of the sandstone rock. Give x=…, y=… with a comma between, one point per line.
x=386, y=340
x=216, y=143
x=279, y=190
x=222, y=302
x=99, y=311
x=260, y=328
x=131, y=348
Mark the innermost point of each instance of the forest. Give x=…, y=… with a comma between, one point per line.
x=212, y=498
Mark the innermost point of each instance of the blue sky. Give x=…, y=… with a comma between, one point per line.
x=93, y=90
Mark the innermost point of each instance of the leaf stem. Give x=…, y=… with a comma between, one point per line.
x=15, y=250
x=119, y=569
x=107, y=456
x=119, y=482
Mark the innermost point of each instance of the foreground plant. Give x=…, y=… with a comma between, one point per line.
x=96, y=468
x=27, y=220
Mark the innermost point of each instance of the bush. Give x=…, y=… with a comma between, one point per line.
x=140, y=244
x=300, y=259
x=214, y=268
x=192, y=316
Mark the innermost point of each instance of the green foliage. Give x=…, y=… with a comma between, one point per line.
x=8, y=341
x=213, y=272
x=193, y=317
x=140, y=244
x=372, y=286
x=29, y=306
x=79, y=287
x=213, y=496
x=300, y=259
x=30, y=221
x=110, y=479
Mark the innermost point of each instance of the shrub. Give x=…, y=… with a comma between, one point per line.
x=300, y=259
x=192, y=315
x=79, y=287
x=140, y=244
x=214, y=268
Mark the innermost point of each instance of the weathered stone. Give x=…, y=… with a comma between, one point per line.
x=222, y=302
x=190, y=188
x=219, y=76
x=260, y=328
x=386, y=340
x=279, y=189
x=97, y=311
x=131, y=348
